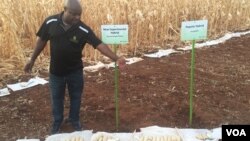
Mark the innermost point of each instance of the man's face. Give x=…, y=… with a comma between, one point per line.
x=72, y=16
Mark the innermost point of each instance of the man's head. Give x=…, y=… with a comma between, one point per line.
x=72, y=11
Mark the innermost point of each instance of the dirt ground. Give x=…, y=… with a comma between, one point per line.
x=151, y=92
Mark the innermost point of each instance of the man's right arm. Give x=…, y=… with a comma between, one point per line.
x=40, y=44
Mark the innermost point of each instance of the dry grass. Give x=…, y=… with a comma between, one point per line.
x=155, y=22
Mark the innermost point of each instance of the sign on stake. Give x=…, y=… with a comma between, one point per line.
x=115, y=35
x=193, y=30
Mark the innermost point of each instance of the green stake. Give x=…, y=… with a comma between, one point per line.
x=191, y=84
x=115, y=35
x=116, y=93
x=193, y=30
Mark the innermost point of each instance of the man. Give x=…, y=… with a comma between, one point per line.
x=67, y=35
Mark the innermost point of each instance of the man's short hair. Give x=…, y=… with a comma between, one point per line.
x=67, y=1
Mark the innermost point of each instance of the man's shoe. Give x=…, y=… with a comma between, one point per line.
x=77, y=126
x=55, y=128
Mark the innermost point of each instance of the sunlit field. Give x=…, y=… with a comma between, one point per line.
x=151, y=23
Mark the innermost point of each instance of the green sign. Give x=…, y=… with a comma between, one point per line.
x=194, y=30
x=114, y=34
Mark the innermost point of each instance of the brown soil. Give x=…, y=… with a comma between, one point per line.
x=151, y=92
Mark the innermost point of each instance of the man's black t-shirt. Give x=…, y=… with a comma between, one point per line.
x=66, y=46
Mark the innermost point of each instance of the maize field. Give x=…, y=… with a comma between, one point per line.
x=154, y=23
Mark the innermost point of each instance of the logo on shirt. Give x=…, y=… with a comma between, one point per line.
x=74, y=39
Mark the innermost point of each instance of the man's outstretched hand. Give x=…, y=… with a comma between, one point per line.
x=121, y=63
